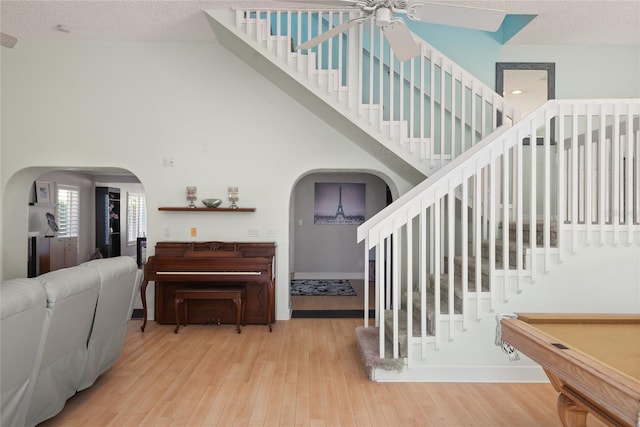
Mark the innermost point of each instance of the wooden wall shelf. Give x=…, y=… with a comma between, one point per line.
x=185, y=209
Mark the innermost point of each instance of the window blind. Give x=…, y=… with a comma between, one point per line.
x=136, y=217
x=68, y=199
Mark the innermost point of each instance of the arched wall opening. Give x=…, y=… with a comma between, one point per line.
x=23, y=216
x=331, y=251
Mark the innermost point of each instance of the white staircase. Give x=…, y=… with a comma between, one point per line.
x=445, y=242
x=415, y=115
x=582, y=187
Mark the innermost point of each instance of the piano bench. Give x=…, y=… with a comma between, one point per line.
x=237, y=294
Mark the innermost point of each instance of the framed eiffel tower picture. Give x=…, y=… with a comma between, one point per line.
x=339, y=203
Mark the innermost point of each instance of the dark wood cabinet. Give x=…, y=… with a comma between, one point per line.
x=108, y=221
x=33, y=262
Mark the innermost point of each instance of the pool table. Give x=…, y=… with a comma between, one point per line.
x=592, y=360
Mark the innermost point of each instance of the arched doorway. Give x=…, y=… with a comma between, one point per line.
x=21, y=191
x=324, y=252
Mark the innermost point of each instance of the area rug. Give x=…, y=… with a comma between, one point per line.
x=321, y=287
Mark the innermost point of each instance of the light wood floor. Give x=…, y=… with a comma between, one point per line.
x=307, y=372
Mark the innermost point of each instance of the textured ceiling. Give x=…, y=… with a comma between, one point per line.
x=604, y=22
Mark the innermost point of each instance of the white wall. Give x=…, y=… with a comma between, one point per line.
x=131, y=105
x=586, y=72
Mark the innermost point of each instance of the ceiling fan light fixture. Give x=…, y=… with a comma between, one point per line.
x=383, y=16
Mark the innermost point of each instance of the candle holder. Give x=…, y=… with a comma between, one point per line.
x=191, y=196
x=233, y=197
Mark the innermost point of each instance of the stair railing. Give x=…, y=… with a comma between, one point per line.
x=473, y=232
x=429, y=107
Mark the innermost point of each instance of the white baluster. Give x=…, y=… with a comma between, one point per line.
x=615, y=217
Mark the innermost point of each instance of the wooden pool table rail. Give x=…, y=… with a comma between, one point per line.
x=584, y=383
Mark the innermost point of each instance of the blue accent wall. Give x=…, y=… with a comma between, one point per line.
x=475, y=51
x=511, y=26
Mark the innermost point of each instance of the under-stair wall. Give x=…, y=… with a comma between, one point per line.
x=457, y=247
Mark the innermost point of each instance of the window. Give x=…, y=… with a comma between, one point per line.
x=136, y=217
x=68, y=198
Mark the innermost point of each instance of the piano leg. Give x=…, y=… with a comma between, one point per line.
x=238, y=303
x=271, y=288
x=176, y=306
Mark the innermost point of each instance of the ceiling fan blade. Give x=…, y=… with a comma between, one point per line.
x=7, y=41
x=460, y=16
x=331, y=33
x=401, y=41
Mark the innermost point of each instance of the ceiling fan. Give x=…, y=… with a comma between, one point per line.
x=7, y=41
x=386, y=15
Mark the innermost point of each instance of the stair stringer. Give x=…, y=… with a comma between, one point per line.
x=577, y=279
x=355, y=128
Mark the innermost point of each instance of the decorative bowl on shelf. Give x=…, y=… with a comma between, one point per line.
x=211, y=203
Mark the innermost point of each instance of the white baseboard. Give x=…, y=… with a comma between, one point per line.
x=327, y=276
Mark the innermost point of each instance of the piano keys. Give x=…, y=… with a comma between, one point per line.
x=180, y=264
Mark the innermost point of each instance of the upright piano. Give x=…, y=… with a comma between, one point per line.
x=179, y=264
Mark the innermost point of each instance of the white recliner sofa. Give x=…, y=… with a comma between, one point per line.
x=86, y=311
x=113, y=311
x=72, y=294
x=23, y=305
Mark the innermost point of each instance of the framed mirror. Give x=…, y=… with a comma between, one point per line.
x=526, y=85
